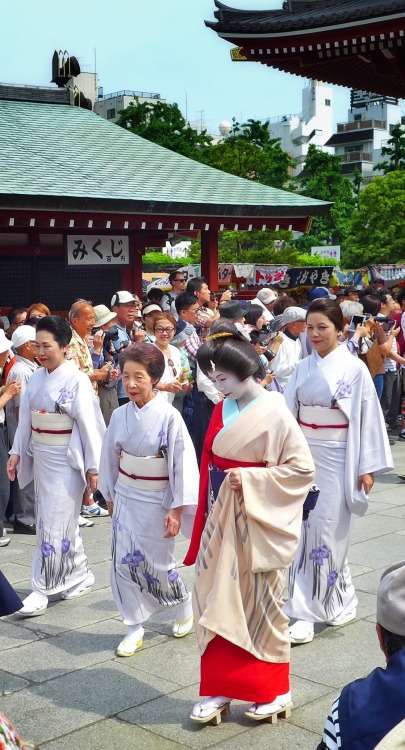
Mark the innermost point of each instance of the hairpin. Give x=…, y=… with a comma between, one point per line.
x=218, y=336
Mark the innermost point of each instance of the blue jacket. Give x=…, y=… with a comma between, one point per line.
x=371, y=707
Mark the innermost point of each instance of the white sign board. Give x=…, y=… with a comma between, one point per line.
x=97, y=250
x=327, y=251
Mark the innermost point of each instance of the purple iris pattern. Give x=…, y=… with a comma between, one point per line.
x=65, y=395
x=57, y=554
x=46, y=549
x=166, y=586
x=328, y=582
x=344, y=390
x=65, y=545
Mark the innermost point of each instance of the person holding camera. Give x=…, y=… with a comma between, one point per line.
x=103, y=353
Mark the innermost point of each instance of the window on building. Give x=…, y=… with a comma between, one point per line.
x=110, y=114
x=357, y=117
x=327, y=102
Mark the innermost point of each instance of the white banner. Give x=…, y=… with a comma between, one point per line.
x=328, y=251
x=97, y=250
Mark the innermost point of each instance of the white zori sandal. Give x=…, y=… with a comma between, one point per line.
x=281, y=706
x=209, y=710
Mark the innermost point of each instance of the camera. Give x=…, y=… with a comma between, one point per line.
x=111, y=335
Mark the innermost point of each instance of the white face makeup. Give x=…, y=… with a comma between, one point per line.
x=228, y=384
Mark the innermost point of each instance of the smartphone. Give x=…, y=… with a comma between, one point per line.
x=357, y=320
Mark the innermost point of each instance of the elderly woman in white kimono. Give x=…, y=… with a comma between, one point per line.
x=57, y=444
x=332, y=395
x=149, y=477
x=256, y=452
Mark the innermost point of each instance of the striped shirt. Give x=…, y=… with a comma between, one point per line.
x=331, y=732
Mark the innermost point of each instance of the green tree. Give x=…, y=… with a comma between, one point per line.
x=250, y=152
x=322, y=178
x=395, y=150
x=258, y=247
x=377, y=230
x=165, y=125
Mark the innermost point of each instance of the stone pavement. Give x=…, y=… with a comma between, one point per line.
x=63, y=687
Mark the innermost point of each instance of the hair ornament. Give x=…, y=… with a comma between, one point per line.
x=218, y=336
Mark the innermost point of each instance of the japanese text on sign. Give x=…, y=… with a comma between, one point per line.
x=95, y=250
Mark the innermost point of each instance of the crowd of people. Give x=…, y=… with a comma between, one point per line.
x=117, y=411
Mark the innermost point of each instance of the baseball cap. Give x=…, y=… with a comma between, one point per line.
x=320, y=292
x=122, y=298
x=293, y=315
x=103, y=315
x=22, y=334
x=391, y=599
x=266, y=296
x=5, y=344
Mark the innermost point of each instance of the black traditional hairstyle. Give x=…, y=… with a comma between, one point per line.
x=57, y=326
x=228, y=350
x=144, y=354
x=330, y=309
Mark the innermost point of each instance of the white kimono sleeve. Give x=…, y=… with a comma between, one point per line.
x=109, y=461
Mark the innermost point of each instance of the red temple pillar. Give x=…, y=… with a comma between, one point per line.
x=209, y=257
x=131, y=276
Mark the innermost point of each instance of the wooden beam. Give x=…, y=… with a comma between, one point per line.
x=209, y=256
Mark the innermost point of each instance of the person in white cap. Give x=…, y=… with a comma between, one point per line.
x=23, y=341
x=290, y=351
x=266, y=298
x=103, y=352
x=367, y=709
x=125, y=306
x=6, y=393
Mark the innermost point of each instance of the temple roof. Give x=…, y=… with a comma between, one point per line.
x=61, y=157
x=301, y=14
x=353, y=43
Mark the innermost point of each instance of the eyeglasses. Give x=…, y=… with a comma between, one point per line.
x=164, y=330
x=171, y=364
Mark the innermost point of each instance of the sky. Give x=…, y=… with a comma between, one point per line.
x=160, y=46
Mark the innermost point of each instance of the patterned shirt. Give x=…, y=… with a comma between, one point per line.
x=79, y=352
x=331, y=734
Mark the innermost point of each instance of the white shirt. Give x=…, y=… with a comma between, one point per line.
x=286, y=359
x=21, y=371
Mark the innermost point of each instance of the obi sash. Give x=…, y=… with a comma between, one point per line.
x=150, y=474
x=51, y=428
x=323, y=423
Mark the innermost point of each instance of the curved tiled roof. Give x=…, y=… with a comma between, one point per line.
x=312, y=14
x=65, y=152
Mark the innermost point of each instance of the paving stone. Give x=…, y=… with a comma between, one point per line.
x=114, y=735
x=16, y=573
x=12, y=635
x=368, y=582
x=70, y=615
x=282, y=736
x=58, y=706
x=178, y=659
x=69, y=651
x=356, y=649
x=9, y=682
x=168, y=717
x=313, y=715
x=370, y=527
x=378, y=553
x=397, y=510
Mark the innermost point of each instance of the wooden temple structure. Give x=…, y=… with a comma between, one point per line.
x=81, y=199
x=355, y=43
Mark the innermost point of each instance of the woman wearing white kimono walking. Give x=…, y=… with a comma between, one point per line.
x=332, y=395
x=149, y=477
x=57, y=444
